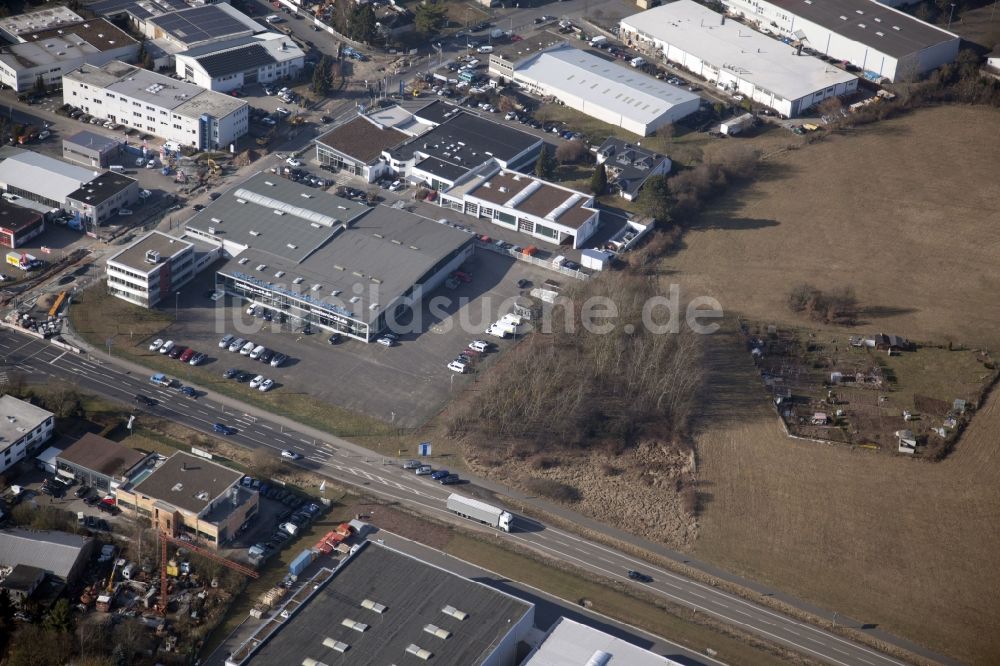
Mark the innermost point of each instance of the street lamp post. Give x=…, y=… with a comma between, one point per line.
x=177, y=295
x=951, y=15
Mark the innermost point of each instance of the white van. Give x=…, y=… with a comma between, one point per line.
x=457, y=366
x=486, y=48
x=480, y=346
x=637, y=62
x=273, y=18
x=255, y=354
x=117, y=168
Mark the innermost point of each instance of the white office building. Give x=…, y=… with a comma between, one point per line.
x=24, y=428
x=882, y=41
x=736, y=58
x=174, y=110
x=226, y=66
x=51, y=52
x=151, y=268
x=619, y=95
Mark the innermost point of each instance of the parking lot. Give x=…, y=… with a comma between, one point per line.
x=404, y=384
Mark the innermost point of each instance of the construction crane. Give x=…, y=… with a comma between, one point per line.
x=204, y=552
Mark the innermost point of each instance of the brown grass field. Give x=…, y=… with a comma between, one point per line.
x=908, y=213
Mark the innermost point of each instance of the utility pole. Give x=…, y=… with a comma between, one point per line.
x=952, y=14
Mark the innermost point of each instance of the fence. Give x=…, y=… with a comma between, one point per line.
x=543, y=263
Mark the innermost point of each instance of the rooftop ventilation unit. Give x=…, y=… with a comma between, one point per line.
x=279, y=212
x=354, y=299
x=437, y=631
x=315, y=287
x=599, y=658
x=455, y=613
x=203, y=496
x=152, y=257
x=297, y=280
x=216, y=220
x=356, y=626
x=261, y=267
x=254, y=233
x=241, y=201
x=279, y=274
x=418, y=651
x=309, y=661
x=244, y=261
x=335, y=645
x=292, y=246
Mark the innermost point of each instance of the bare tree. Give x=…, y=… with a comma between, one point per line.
x=571, y=151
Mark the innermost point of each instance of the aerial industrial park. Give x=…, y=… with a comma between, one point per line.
x=490, y=333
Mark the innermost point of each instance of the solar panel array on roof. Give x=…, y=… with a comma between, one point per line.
x=200, y=24
x=245, y=58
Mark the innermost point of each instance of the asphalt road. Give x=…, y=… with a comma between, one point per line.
x=382, y=477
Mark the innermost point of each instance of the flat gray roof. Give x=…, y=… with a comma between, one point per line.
x=163, y=91
x=382, y=252
x=415, y=595
x=134, y=256
x=18, y=418
x=55, y=552
x=206, y=23
x=92, y=140
x=870, y=23
x=751, y=55
x=67, y=43
x=101, y=455
x=42, y=19
x=188, y=482
x=102, y=188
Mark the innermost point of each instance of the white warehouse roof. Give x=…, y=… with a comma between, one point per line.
x=51, y=178
x=730, y=45
x=622, y=90
x=570, y=643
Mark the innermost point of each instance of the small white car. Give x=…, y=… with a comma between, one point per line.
x=457, y=366
x=423, y=470
x=396, y=185
x=257, y=351
x=282, y=111
x=140, y=161
x=43, y=135
x=257, y=381
x=266, y=385
x=270, y=122
x=497, y=331
x=291, y=161
x=145, y=194
x=247, y=348
x=291, y=455
x=151, y=164
x=156, y=344
x=479, y=345
x=386, y=342
x=226, y=340
x=167, y=346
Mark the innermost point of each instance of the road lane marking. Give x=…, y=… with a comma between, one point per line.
x=53, y=361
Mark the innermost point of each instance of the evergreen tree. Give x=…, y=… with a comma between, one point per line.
x=599, y=181
x=545, y=164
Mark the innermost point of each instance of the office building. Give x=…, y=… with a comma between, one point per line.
x=24, y=428
x=91, y=149
x=101, y=200
x=174, y=110
x=51, y=52
x=190, y=496
x=151, y=269
x=100, y=463
x=356, y=147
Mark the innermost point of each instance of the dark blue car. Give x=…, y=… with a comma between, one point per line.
x=440, y=474
x=224, y=429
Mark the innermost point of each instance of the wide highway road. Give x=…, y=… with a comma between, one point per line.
x=345, y=463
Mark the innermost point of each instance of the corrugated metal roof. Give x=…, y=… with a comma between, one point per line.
x=55, y=552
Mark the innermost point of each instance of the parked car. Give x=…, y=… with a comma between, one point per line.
x=449, y=480
x=198, y=358
x=187, y=355
x=257, y=381
x=386, y=341
x=231, y=373
x=189, y=392
x=167, y=346
x=266, y=356
x=266, y=385
x=156, y=344
x=440, y=474
x=278, y=359
x=176, y=351
x=236, y=344
x=247, y=347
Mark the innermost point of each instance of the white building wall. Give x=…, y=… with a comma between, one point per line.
x=22, y=78
x=154, y=119
x=29, y=443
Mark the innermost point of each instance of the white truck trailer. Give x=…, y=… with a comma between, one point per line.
x=481, y=511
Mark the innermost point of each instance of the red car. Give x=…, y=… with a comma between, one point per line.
x=463, y=276
x=186, y=356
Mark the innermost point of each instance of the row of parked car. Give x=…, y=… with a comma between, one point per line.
x=462, y=362
x=442, y=476
x=252, y=350
x=173, y=350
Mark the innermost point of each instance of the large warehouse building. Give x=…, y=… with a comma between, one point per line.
x=382, y=606
x=149, y=102
x=882, y=41
x=621, y=96
x=306, y=253
x=225, y=66
x=736, y=58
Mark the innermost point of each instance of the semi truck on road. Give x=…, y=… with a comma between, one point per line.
x=481, y=511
